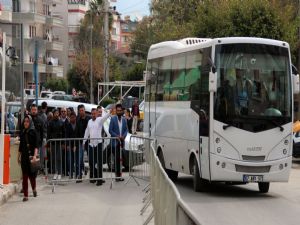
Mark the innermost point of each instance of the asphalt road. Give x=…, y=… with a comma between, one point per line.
x=243, y=204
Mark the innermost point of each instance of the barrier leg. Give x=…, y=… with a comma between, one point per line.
x=151, y=216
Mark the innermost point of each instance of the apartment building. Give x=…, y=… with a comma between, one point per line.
x=72, y=11
x=122, y=33
x=40, y=25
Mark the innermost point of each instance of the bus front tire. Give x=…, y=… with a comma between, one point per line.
x=173, y=175
x=200, y=185
x=263, y=187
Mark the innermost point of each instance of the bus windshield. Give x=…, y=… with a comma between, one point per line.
x=254, y=86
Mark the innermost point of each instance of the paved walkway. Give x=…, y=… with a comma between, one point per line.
x=77, y=204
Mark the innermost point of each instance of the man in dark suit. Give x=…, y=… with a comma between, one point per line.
x=118, y=129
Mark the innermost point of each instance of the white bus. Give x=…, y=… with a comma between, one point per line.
x=222, y=109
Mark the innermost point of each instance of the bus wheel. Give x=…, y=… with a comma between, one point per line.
x=263, y=187
x=171, y=173
x=199, y=184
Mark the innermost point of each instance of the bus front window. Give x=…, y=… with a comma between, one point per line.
x=253, y=86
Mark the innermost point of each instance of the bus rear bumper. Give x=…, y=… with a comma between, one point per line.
x=224, y=169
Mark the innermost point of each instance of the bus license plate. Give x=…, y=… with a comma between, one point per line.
x=253, y=178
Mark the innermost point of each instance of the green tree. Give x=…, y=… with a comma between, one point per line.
x=56, y=84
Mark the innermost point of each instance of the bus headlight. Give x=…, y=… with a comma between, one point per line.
x=280, y=166
x=223, y=165
x=219, y=149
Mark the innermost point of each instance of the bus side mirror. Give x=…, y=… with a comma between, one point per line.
x=212, y=82
x=296, y=84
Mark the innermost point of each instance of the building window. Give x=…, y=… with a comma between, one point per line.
x=32, y=7
x=114, y=31
x=46, y=9
x=32, y=31
x=16, y=6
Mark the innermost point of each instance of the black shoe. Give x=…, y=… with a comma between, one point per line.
x=25, y=199
x=79, y=179
x=119, y=179
x=92, y=181
x=34, y=194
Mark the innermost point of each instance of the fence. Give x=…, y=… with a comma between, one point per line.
x=138, y=158
x=168, y=207
x=95, y=160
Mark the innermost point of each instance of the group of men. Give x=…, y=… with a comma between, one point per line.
x=69, y=135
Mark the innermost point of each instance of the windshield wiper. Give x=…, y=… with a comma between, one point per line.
x=276, y=124
x=227, y=126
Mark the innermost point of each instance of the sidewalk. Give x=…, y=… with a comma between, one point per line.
x=78, y=204
x=7, y=191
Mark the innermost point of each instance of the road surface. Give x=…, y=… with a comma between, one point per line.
x=243, y=204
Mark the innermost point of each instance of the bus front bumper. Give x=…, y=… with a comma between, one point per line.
x=224, y=169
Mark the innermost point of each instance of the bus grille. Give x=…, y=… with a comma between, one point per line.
x=253, y=158
x=252, y=169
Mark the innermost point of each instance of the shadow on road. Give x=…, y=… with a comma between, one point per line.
x=220, y=189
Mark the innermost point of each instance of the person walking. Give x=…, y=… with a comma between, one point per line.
x=56, y=131
x=28, y=150
x=41, y=129
x=82, y=121
x=118, y=129
x=93, y=131
x=135, y=111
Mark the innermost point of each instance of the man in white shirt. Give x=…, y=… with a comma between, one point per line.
x=93, y=131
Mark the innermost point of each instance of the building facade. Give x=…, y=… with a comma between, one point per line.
x=41, y=25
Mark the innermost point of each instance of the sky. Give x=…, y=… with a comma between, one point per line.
x=134, y=8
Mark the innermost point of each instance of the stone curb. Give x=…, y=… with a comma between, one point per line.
x=7, y=191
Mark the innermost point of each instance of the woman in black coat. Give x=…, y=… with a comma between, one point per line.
x=28, y=150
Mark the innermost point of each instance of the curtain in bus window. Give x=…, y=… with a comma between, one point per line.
x=193, y=68
x=154, y=76
x=163, y=81
x=177, y=78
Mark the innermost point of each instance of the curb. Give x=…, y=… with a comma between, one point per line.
x=7, y=192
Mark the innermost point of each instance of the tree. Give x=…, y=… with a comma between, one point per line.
x=56, y=84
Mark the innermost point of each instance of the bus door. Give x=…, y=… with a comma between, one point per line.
x=204, y=115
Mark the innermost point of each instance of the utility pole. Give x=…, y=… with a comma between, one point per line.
x=91, y=60
x=106, y=39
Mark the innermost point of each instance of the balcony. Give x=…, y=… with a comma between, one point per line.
x=54, y=46
x=5, y=16
x=28, y=17
x=58, y=70
x=28, y=67
x=54, y=21
x=73, y=30
x=54, y=67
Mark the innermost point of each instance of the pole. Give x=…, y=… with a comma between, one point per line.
x=3, y=54
x=22, y=70
x=106, y=39
x=35, y=69
x=91, y=61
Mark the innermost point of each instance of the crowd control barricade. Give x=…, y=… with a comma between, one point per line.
x=167, y=206
x=139, y=158
x=69, y=160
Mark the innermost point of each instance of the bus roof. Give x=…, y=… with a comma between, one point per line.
x=188, y=44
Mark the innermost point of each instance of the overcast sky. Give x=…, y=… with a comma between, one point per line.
x=134, y=8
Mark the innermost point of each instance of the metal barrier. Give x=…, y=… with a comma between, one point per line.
x=140, y=149
x=78, y=159
x=168, y=207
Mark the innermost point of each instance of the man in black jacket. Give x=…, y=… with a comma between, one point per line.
x=81, y=124
x=56, y=131
x=72, y=145
x=40, y=128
